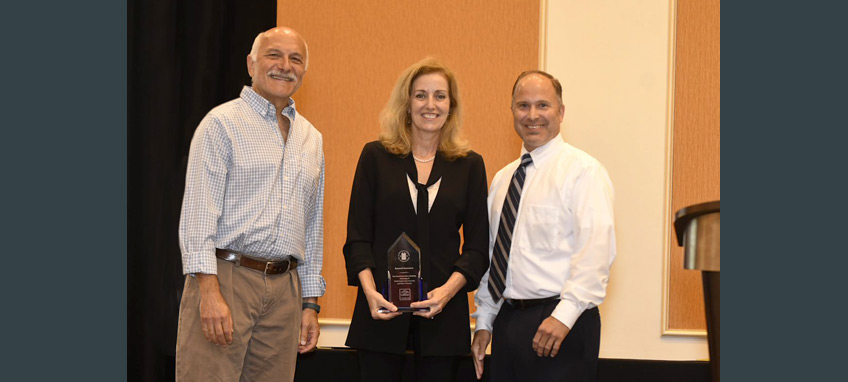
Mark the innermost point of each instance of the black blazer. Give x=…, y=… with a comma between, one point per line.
x=380, y=209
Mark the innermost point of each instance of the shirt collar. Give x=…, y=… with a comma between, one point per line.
x=263, y=106
x=543, y=152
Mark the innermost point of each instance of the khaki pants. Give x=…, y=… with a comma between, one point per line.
x=266, y=311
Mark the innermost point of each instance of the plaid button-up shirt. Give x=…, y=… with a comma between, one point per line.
x=249, y=191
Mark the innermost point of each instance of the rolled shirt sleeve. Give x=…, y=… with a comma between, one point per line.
x=311, y=281
x=203, y=199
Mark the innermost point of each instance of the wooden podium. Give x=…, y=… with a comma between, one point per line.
x=698, y=229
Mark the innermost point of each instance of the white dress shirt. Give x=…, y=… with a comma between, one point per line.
x=563, y=242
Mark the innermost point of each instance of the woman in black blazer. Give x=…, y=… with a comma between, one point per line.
x=419, y=153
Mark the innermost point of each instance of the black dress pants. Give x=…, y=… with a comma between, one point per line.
x=381, y=367
x=513, y=357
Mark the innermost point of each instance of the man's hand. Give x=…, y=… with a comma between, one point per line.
x=549, y=337
x=478, y=349
x=215, y=318
x=309, y=331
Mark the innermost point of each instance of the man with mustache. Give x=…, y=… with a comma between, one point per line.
x=251, y=227
x=551, y=242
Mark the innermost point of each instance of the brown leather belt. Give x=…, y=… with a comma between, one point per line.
x=266, y=267
x=524, y=304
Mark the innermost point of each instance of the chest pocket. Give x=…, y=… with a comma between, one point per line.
x=542, y=231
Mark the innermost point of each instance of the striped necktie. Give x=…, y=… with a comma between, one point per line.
x=500, y=254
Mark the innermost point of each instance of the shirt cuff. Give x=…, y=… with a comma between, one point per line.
x=567, y=313
x=200, y=263
x=484, y=322
x=312, y=286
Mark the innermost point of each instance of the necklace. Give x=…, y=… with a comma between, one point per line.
x=423, y=160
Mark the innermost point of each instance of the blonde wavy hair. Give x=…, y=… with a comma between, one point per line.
x=396, y=122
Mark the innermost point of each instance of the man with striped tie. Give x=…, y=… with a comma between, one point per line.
x=551, y=242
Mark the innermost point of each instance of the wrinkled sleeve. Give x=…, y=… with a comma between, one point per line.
x=487, y=309
x=206, y=177
x=311, y=282
x=474, y=260
x=360, y=218
x=592, y=207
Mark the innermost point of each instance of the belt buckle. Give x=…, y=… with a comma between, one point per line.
x=519, y=304
x=269, y=264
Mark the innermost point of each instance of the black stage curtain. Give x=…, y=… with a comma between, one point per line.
x=185, y=57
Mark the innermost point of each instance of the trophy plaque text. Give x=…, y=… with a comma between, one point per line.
x=404, y=285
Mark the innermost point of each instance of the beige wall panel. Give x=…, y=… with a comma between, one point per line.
x=614, y=59
x=696, y=169
x=357, y=51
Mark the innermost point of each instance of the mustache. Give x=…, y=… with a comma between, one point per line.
x=281, y=74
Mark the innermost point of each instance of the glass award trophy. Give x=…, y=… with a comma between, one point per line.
x=404, y=285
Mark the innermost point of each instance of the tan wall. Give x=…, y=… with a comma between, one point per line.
x=614, y=60
x=358, y=49
x=696, y=170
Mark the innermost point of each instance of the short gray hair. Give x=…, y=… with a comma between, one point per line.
x=254, y=50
